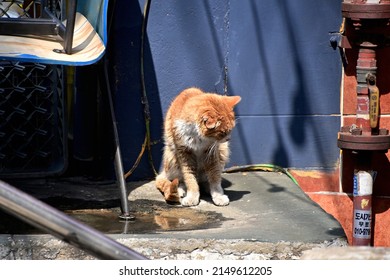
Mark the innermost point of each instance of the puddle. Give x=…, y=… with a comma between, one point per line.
x=150, y=217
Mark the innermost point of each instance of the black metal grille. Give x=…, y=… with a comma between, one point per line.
x=32, y=120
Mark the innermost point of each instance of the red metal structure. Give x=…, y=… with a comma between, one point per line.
x=365, y=28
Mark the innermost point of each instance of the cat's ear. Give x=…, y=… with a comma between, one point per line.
x=232, y=100
x=210, y=123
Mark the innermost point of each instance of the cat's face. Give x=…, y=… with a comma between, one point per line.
x=217, y=119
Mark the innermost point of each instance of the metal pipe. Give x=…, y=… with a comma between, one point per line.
x=70, y=22
x=363, y=176
x=118, y=158
x=364, y=28
x=55, y=222
x=366, y=65
x=363, y=182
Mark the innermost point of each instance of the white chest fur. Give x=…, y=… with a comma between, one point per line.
x=190, y=136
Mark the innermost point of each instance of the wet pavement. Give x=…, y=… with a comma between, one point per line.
x=265, y=207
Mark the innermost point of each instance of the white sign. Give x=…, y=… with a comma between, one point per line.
x=362, y=224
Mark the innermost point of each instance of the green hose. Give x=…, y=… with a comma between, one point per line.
x=261, y=167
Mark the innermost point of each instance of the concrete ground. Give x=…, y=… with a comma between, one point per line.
x=269, y=217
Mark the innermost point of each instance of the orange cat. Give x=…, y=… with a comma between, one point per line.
x=197, y=129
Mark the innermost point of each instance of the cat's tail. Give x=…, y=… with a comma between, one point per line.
x=168, y=189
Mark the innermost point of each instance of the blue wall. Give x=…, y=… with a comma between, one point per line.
x=275, y=54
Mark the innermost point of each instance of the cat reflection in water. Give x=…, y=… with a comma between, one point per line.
x=197, y=129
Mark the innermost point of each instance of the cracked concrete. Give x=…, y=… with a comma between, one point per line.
x=45, y=247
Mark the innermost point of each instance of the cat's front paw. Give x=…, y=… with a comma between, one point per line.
x=191, y=199
x=221, y=200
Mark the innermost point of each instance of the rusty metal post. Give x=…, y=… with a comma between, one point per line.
x=364, y=176
x=366, y=66
x=363, y=182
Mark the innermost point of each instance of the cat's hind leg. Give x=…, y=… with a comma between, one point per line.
x=168, y=188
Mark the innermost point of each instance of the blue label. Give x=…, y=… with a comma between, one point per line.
x=355, y=184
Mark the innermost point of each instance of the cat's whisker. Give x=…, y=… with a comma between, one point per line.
x=209, y=152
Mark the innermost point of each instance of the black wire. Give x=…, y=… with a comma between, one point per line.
x=144, y=97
